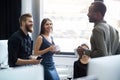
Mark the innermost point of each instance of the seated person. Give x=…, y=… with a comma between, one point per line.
x=80, y=66
x=20, y=44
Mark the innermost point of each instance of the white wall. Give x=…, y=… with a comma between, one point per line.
x=26, y=6
x=36, y=18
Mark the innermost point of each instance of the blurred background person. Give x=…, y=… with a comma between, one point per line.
x=80, y=66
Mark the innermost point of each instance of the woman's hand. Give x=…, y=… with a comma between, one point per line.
x=52, y=48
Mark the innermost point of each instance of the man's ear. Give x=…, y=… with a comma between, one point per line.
x=23, y=23
x=98, y=15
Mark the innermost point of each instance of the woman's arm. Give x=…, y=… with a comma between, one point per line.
x=38, y=45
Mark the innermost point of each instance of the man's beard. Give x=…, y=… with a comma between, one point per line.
x=92, y=20
x=29, y=28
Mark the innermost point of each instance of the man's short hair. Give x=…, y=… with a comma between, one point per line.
x=99, y=6
x=24, y=17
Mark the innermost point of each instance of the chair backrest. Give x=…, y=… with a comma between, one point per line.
x=105, y=68
x=3, y=52
x=32, y=72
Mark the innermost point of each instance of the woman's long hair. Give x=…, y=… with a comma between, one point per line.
x=42, y=31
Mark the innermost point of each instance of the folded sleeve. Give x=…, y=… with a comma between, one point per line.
x=100, y=47
x=13, y=49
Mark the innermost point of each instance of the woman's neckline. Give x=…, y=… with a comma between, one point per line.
x=47, y=38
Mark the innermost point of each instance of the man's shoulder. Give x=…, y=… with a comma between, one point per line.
x=112, y=28
x=101, y=27
x=105, y=27
x=15, y=36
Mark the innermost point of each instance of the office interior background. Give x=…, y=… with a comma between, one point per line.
x=71, y=27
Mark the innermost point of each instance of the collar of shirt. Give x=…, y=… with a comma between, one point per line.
x=23, y=34
x=100, y=22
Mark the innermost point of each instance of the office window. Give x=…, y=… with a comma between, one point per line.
x=70, y=22
x=113, y=13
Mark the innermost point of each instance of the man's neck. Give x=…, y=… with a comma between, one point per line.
x=101, y=20
x=25, y=32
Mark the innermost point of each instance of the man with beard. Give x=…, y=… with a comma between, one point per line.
x=20, y=44
x=104, y=39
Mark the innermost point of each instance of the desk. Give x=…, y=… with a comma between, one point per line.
x=33, y=72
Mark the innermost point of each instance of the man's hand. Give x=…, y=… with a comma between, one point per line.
x=34, y=61
x=82, y=48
